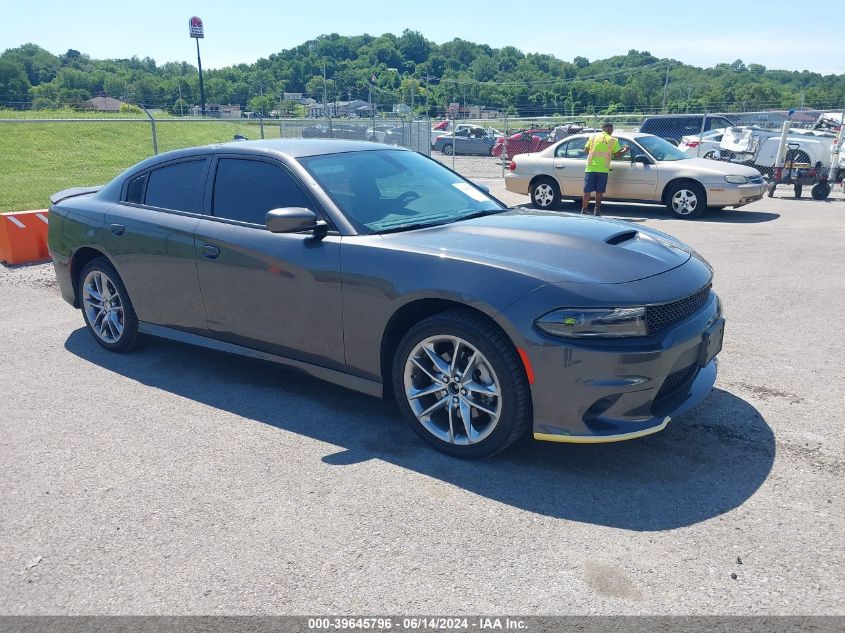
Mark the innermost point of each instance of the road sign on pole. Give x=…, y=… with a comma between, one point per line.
x=195, y=27
x=195, y=30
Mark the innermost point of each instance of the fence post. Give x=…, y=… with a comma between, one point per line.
x=701, y=134
x=261, y=125
x=504, y=145
x=454, y=126
x=153, y=123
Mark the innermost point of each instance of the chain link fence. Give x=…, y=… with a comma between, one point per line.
x=41, y=153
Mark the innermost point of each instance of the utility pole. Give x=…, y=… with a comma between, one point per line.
x=689, y=92
x=325, y=110
x=665, y=86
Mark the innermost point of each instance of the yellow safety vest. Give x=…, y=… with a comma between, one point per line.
x=601, y=148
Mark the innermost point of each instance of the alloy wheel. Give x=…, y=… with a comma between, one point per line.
x=452, y=390
x=544, y=194
x=103, y=306
x=684, y=202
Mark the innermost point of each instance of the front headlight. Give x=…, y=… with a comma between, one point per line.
x=594, y=323
x=737, y=180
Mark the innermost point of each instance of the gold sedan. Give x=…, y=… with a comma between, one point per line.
x=652, y=171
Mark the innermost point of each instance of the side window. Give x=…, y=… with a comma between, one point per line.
x=136, y=189
x=178, y=186
x=573, y=148
x=628, y=156
x=246, y=190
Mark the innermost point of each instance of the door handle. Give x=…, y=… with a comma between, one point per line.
x=209, y=251
x=560, y=166
x=117, y=229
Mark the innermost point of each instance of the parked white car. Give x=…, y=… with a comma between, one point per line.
x=702, y=145
x=652, y=171
x=759, y=147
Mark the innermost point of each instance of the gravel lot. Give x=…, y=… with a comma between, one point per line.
x=182, y=481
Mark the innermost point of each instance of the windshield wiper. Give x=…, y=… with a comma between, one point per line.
x=478, y=214
x=442, y=221
x=409, y=227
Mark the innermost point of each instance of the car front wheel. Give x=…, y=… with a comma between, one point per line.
x=686, y=200
x=545, y=193
x=106, y=308
x=461, y=385
x=447, y=149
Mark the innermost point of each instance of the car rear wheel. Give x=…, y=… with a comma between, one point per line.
x=545, y=194
x=461, y=385
x=686, y=200
x=447, y=149
x=106, y=307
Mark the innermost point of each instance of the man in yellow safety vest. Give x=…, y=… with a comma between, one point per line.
x=601, y=148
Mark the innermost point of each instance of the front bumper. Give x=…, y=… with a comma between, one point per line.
x=727, y=195
x=592, y=393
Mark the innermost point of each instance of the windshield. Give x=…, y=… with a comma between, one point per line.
x=660, y=149
x=389, y=190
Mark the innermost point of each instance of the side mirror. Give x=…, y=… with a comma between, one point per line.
x=292, y=220
x=642, y=158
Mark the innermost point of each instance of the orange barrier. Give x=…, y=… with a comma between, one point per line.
x=23, y=237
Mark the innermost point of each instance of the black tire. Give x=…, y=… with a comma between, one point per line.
x=447, y=149
x=545, y=193
x=515, y=416
x=691, y=193
x=770, y=189
x=820, y=191
x=129, y=335
x=797, y=190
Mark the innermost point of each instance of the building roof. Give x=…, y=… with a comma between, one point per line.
x=106, y=104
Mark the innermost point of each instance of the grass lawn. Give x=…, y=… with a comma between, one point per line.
x=39, y=159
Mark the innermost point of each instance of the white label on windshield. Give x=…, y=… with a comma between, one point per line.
x=470, y=191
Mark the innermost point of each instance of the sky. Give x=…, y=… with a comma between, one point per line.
x=774, y=34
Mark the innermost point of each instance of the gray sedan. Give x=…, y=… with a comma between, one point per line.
x=478, y=141
x=378, y=269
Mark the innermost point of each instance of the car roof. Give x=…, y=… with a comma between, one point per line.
x=292, y=148
x=616, y=134
x=686, y=116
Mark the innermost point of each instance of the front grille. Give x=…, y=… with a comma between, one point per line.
x=756, y=180
x=675, y=382
x=661, y=316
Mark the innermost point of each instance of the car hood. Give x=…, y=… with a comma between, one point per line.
x=709, y=166
x=553, y=247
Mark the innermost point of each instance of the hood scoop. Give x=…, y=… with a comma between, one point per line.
x=620, y=238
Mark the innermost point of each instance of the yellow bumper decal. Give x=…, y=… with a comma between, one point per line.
x=600, y=439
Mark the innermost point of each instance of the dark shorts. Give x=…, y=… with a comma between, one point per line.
x=595, y=181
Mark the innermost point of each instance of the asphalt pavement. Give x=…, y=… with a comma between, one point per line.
x=177, y=480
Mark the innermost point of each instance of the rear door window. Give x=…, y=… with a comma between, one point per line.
x=573, y=148
x=245, y=190
x=178, y=186
x=136, y=189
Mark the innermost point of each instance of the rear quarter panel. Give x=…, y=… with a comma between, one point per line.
x=75, y=223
